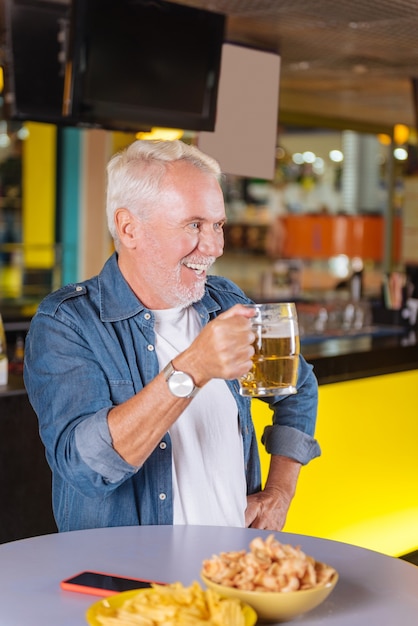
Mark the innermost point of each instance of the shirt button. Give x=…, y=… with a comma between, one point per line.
x=79, y=288
x=162, y=496
x=150, y=348
x=163, y=445
x=147, y=316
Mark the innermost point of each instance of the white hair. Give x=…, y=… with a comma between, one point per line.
x=134, y=175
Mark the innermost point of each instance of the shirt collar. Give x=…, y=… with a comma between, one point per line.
x=117, y=300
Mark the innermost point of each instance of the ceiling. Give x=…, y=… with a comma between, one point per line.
x=344, y=63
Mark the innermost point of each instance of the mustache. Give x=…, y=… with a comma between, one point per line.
x=209, y=260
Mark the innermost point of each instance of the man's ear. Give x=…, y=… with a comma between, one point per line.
x=127, y=228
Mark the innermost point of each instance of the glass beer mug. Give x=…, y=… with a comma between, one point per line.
x=277, y=348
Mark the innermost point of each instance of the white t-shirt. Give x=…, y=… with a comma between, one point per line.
x=209, y=486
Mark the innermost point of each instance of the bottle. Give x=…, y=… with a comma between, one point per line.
x=16, y=365
x=4, y=362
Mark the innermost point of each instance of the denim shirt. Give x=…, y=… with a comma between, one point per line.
x=90, y=347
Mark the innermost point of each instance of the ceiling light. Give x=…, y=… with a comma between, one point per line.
x=22, y=133
x=336, y=156
x=4, y=140
x=400, y=154
x=318, y=166
x=384, y=139
x=309, y=157
x=161, y=134
x=400, y=134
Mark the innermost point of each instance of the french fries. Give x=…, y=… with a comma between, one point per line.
x=173, y=605
x=268, y=566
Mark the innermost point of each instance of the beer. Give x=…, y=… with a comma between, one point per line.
x=277, y=347
x=275, y=367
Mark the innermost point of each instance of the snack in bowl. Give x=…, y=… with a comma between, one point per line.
x=278, y=580
x=170, y=604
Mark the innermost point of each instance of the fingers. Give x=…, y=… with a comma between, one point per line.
x=233, y=338
x=260, y=513
x=250, y=514
x=238, y=309
x=223, y=348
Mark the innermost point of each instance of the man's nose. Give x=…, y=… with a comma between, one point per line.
x=211, y=242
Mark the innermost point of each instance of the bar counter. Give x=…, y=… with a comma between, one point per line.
x=343, y=358
x=335, y=358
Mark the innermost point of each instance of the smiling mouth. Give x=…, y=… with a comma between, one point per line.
x=198, y=268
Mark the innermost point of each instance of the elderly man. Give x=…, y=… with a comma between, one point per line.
x=133, y=373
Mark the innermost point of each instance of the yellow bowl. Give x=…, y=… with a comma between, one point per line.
x=277, y=606
x=101, y=608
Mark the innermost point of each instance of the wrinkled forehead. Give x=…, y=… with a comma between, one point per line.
x=187, y=192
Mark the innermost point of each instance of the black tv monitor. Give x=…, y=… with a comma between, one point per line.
x=35, y=59
x=140, y=63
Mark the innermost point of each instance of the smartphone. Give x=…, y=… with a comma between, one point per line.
x=102, y=584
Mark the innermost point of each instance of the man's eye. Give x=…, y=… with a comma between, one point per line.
x=195, y=225
x=219, y=226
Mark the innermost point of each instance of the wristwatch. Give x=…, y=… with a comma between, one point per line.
x=179, y=383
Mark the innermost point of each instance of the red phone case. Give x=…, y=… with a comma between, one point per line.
x=68, y=585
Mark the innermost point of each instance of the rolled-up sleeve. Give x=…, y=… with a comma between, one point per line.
x=94, y=444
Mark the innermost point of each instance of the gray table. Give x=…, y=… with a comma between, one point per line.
x=373, y=588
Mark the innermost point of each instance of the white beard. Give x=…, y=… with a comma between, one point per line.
x=183, y=296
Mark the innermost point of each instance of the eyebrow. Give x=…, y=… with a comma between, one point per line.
x=196, y=218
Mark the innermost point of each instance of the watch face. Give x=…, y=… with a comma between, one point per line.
x=180, y=384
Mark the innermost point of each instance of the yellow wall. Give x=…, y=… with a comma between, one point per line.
x=364, y=488
x=39, y=176
x=38, y=210
x=39, y=198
